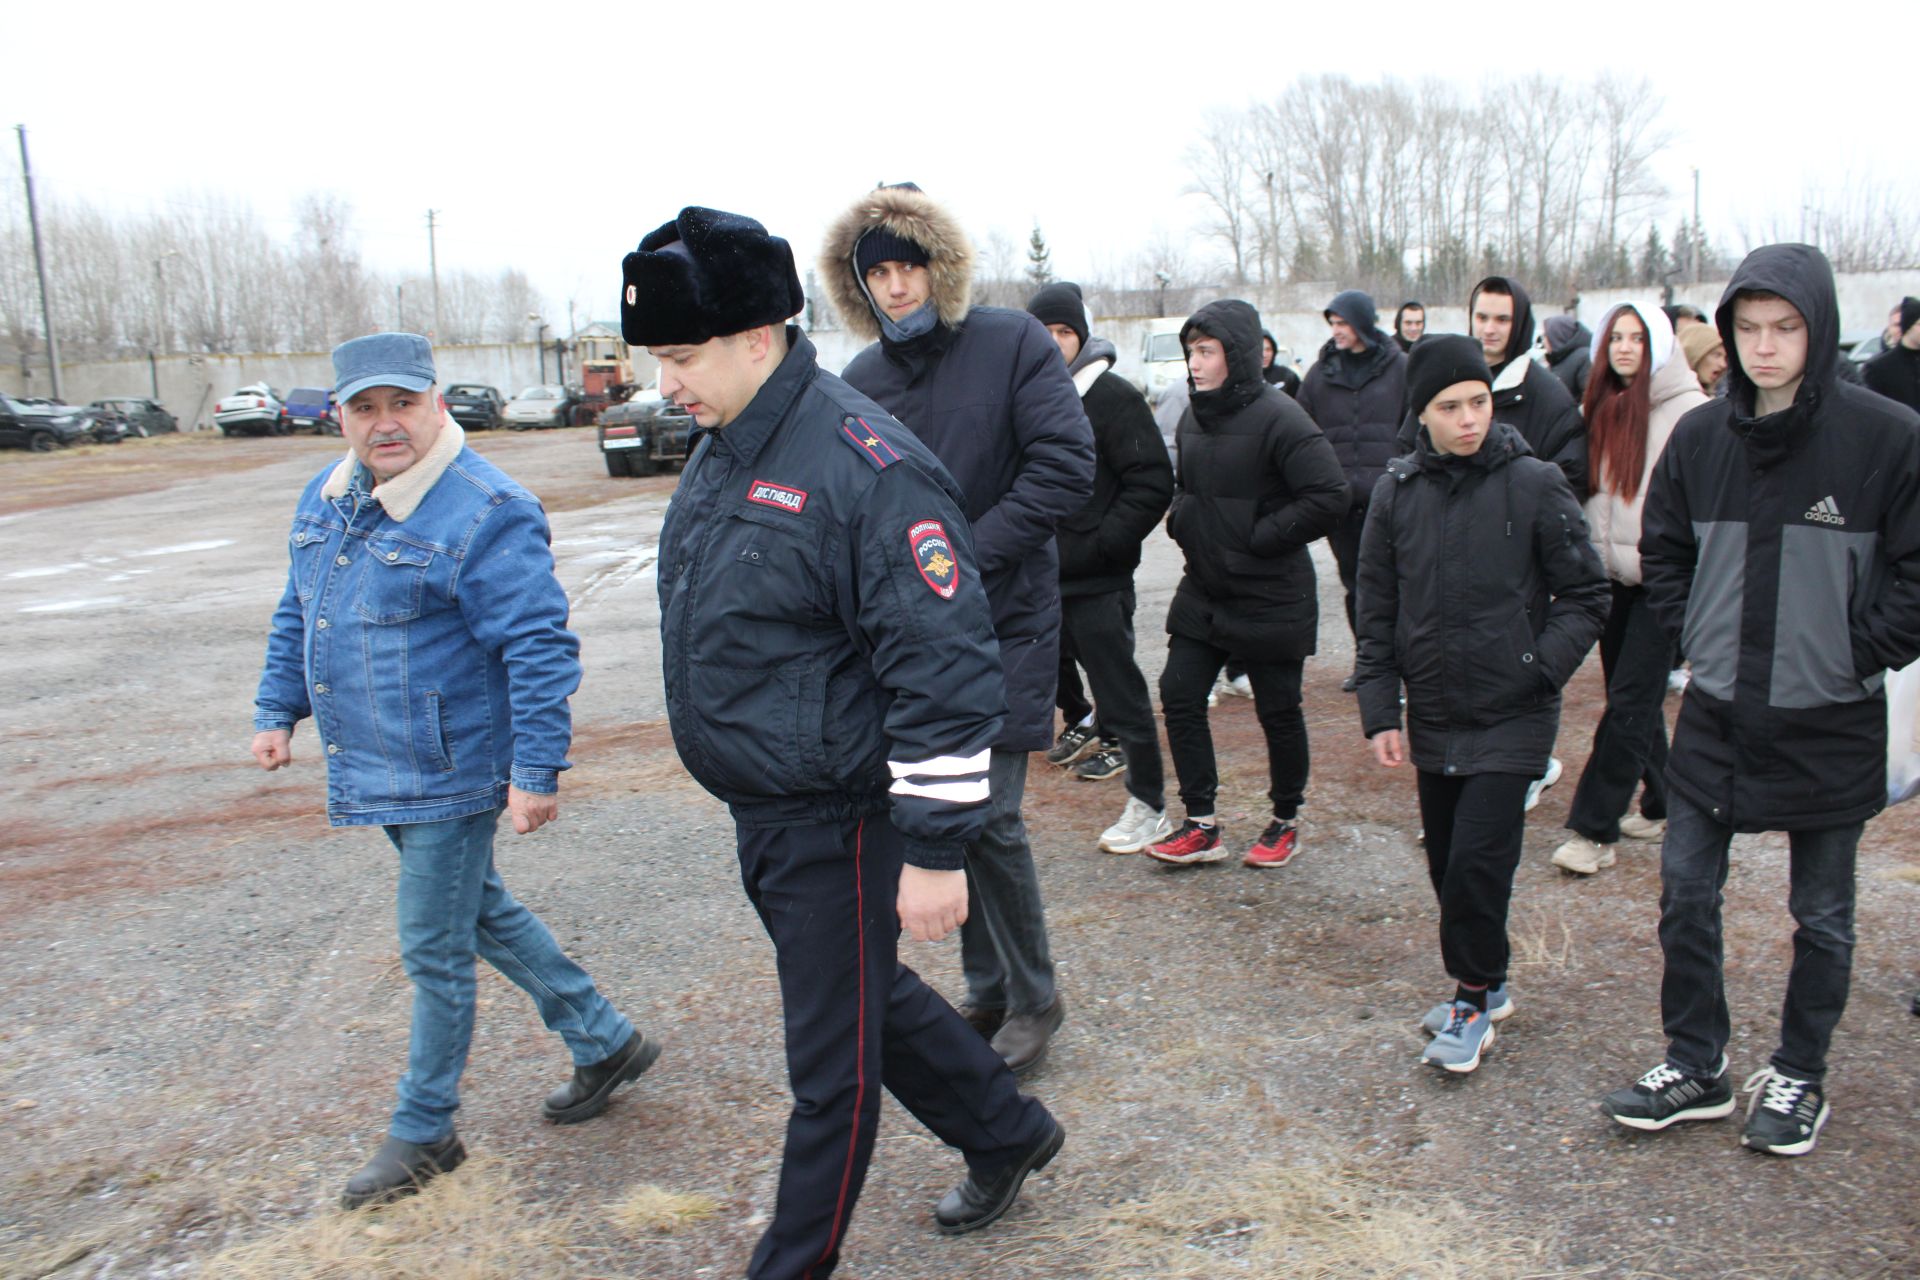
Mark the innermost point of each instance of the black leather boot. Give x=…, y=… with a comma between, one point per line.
x=984, y=1197
x=400, y=1169
x=1022, y=1039
x=585, y=1096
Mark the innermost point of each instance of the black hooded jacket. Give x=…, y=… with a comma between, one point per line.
x=1527, y=396
x=1571, y=358
x=1895, y=374
x=1132, y=482
x=1783, y=552
x=1478, y=589
x=1358, y=399
x=1257, y=483
x=1280, y=373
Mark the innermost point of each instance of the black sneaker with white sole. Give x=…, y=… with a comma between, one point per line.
x=1667, y=1095
x=1108, y=762
x=1072, y=744
x=1784, y=1116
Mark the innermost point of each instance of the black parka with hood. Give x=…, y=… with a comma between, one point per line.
x=986, y=390
x=1358, y=399
x=1783, y=552
x=1478, y=589
x=1527, y=396
x=1132, y=480
x=1257, y=483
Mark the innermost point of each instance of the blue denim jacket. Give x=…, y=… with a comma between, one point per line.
x=432, y=651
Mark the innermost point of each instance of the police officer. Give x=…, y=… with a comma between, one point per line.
x=831, y=674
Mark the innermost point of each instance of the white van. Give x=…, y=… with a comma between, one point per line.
x=1162, y=362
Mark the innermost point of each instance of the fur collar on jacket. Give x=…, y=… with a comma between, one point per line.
x=913, y=216
x=402, y=495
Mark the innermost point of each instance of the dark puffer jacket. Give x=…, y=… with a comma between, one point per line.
x=1358, y=400
x=1569, y=354
x=1895, y=374
x=1528, y=397
x=1784, y=553
x=1132, y=483
x=1479, y=590
x=1257, y=483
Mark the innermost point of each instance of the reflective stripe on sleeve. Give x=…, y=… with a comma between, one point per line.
x=952, y=792
x=942, y=766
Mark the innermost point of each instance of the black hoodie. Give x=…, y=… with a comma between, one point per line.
x=1256, y=484
x=1527, y=396
x=1358, y=398
x=1784, y=553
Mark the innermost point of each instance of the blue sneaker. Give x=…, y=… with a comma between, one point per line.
x=1468, y=1033
x=1499, y=1009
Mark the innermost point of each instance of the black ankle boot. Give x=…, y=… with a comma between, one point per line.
x=401, y=1168
x=585, y=1096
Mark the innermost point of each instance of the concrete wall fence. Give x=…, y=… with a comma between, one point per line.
x=189, y=385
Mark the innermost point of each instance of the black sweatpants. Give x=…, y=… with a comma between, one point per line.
x=1344, y=542
x=1099, y=630
x=857, y=1019
x=1630, y=742
x=1474, y=826
x=1192, y=666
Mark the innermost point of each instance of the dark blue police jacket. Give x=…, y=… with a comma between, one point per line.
x=826, y=640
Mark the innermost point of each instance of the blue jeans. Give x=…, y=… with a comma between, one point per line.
x=1003, y=944
x=1693, y=995
x=452, y=906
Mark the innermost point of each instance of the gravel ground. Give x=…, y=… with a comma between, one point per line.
x=204, y=1011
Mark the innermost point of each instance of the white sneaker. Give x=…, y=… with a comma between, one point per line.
x=1677, y=680
x=1240, y=686
x=1540, y=784
x=1635, y=827
x=1140, y=825
x=1582, y=856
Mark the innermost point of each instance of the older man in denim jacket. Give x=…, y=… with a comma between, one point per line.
x=423, y=630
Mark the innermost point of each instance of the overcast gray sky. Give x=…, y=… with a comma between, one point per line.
x=551, y=137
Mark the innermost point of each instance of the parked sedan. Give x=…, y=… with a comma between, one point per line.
x=544, y=406
x=41, y=425
x=254, y=410
x=475, y=407
x=143, y=417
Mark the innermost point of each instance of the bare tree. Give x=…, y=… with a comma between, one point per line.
x=1631, y=137
x=1219, y=169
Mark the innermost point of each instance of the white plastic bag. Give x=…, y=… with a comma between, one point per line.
x=1903, y=733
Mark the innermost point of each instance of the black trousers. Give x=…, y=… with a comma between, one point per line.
x=1630, y=742
x=1192, y=666
x=858, y=1019
x=1099, y=630
x=1344, y=541
x=1474, y=826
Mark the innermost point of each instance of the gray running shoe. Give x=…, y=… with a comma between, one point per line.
x=1499, y=1009
x=1469, y=1032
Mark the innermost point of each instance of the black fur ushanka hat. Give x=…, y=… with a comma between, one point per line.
x=704, y=275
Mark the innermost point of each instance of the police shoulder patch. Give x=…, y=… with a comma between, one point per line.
x=860, y=436
x=934, y=556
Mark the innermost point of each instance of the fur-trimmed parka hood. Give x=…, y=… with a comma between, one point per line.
x=909, y=213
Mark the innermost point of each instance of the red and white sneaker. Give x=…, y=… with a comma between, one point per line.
x=1275, y=847
x=1193, y=842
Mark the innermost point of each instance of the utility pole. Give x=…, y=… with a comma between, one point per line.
x=1696, y=224
x=40, y=265
x=399, y=296
x=433, y=265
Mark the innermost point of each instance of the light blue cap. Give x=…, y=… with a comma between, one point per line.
x=382, y=360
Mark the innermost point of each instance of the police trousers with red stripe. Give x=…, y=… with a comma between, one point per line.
x=858, y=1020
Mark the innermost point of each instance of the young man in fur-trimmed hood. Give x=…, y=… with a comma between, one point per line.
x=424, y=633
x=986, y=390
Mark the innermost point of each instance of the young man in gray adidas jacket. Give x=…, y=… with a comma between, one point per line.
x=1780, y=545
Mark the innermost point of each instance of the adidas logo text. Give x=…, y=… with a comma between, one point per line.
x=1826, y=512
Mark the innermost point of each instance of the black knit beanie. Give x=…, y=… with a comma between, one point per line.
x=1061, y=303
x=1909, y=313
x=1437, y=362
x=878, y=244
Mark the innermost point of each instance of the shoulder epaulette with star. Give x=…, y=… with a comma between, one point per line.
x=860, y=436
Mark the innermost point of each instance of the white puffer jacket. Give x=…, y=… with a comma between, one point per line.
x=1613, y=523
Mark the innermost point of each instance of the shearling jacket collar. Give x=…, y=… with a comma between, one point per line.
x=910, y=214
x=402, y=494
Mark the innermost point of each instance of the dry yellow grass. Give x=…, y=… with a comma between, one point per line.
x=1909, y=873
x=651, y=1210
x=477, y=1223
x=1289, y=1223
x=1540, y=940
x=473, y=1224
